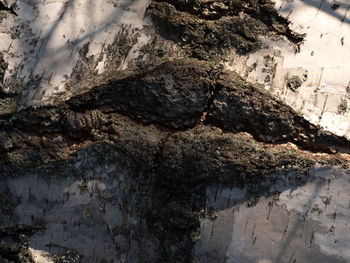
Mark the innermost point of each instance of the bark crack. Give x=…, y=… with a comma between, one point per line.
x=10, y=9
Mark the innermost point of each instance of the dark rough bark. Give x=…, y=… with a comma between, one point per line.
x=173, y=94
x=159, y=102
x=240, y=106
x=182, y=124
x=209, y=28
x=14, y=243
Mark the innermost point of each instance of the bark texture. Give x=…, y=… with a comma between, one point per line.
x=123, y=163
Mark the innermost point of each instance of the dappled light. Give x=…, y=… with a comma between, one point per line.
x=54, y=34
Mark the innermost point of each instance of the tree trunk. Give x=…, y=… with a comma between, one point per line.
x=174, y=131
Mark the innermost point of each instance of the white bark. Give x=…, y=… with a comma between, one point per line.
x=322, y=63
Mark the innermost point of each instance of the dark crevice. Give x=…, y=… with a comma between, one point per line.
x=14, y=243
x=158, y=156
x=8, y=9
x=147, y=121
x=212, y=95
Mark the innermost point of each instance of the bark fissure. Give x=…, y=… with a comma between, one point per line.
x=10, y=9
